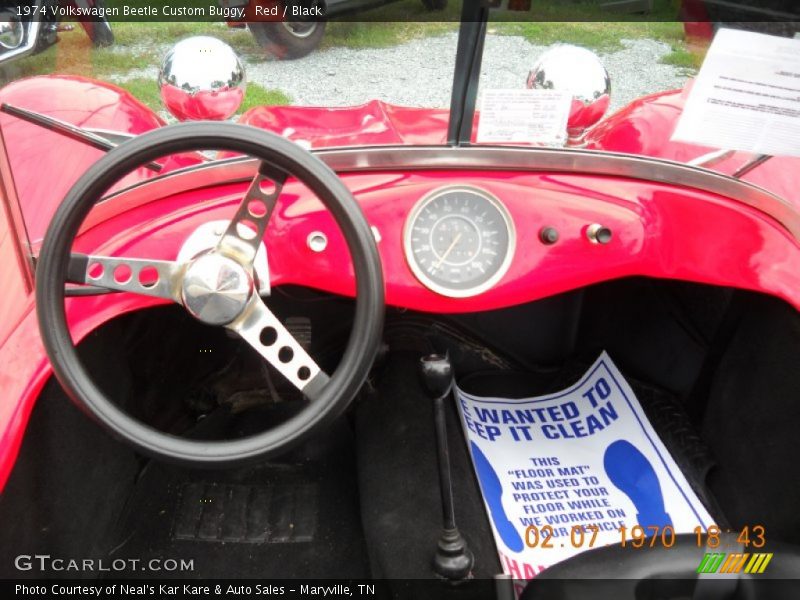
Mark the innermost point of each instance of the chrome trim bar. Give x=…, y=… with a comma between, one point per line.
x=66, y=129
x=753, y=163
x=712, y=158
x=561, y=160
x=483, y=158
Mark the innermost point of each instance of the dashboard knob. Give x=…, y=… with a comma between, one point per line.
x=548, y=235
x=598, y=234
x=317, y=241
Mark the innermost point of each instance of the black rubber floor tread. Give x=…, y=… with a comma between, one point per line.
x=235, y=513
x=296, y=518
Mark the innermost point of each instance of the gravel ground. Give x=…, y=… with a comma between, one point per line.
x=420, y=72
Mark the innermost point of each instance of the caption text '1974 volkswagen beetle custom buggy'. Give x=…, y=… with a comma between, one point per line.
x=232, y=344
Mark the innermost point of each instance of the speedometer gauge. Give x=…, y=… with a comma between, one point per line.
x=459, y=241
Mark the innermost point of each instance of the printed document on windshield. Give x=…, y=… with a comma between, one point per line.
x=746, y=96
x=524, y=116
x=579, y=469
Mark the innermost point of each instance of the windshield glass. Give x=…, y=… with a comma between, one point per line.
x=364, y=70
x=398, y=54
x=606, y=66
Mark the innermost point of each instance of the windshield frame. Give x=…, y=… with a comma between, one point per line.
x=467, y=71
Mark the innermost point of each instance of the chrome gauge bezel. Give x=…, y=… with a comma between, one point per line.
x=422, y=276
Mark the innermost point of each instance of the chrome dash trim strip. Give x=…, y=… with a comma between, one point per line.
x=483, y=158
x=563, y=160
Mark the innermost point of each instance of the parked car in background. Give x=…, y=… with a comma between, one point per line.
x=702, y=18
x=297, y=37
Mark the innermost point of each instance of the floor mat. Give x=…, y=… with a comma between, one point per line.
x=295, y=518
x=584, y=458
x=664, y=411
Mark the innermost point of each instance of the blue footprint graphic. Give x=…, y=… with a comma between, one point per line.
x=493, y=492
x=633, y=474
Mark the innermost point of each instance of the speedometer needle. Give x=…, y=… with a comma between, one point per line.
x=448, y=251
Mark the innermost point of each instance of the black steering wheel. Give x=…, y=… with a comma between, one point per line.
x=219, y=287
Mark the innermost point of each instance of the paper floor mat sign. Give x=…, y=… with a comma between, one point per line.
x=571, y=461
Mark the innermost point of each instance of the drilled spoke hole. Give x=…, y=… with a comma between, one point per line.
x=148, y=277
x=268, y=336
x=246, y=229
x=303, y=373
x=257, y=209
x=95, y=270
x=267, y=187
x=285, y=354
x=122, y=274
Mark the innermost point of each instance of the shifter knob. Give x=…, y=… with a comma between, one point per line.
x=436, y=374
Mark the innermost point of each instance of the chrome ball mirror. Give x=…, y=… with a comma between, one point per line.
x=578, y=71
x=12, y=31
x=202, y=78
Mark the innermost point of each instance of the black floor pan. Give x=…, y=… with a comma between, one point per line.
x=295, y=518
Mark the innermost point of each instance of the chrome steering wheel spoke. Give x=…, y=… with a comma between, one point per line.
x=158, y=278
x=246, y=230
x=259, y=327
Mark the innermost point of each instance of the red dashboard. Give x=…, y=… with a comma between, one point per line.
x=657, y=230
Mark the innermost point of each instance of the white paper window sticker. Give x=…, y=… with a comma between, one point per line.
x=524, y=116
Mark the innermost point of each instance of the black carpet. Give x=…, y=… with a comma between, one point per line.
x=76, y=493
x=751, y=421
x=297, y=518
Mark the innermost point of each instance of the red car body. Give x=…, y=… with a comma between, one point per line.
x=661, y=229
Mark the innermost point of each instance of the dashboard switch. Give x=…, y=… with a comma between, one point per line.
x=317, y=241
x=548, y=235
x=598, y=234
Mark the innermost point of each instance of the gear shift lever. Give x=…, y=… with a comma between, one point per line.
x=453, y=560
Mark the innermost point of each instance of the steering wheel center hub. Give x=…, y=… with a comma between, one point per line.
x=216, y=289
